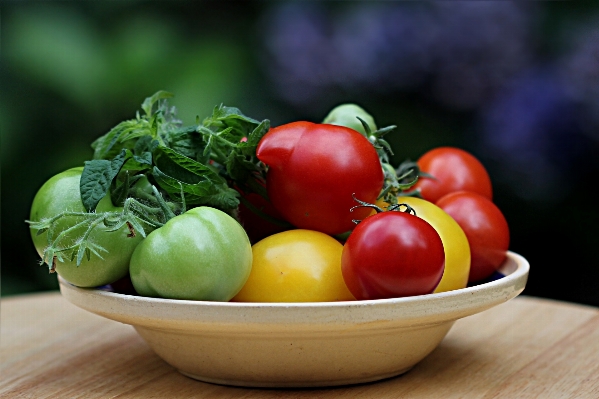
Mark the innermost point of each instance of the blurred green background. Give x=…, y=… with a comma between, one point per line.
x=515, y=83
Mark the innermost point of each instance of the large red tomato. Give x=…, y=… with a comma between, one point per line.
x=453, y=169
x=485, y=227
x=392, y=254
x=313, y=171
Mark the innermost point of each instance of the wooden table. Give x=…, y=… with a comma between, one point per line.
x=525, y=348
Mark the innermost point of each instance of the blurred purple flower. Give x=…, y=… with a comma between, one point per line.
x=297, y=50
x=480, y=45
x=531, y=131
x=385, y=47
x=580, y=74
x=467, y=48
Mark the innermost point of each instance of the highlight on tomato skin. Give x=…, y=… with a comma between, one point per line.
x=486, y=228
x=315, y=169
x=452, y=169
x=392, y=254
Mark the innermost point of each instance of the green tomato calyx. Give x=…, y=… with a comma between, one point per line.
x=378, y=209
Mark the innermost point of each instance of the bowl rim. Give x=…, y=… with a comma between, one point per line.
x=521, y=270
x=422, y=309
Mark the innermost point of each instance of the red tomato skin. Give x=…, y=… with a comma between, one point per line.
x=454, y=170
x=392, y=254
x=313, y=171
x=486, y=228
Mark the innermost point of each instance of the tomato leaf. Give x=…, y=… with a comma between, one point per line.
x=96, y=178
x=204, y=192
x=119, y=137
x=189, y=142
x=223, y=117
x=184, y=168
x=248, y=147
x=149, y=102
x=198, y=164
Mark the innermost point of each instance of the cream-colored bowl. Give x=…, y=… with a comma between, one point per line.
x=299, y=344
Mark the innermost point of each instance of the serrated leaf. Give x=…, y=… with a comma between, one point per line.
x=240, y=167
x=249, y=147
x=97, y=177
x=149, y=102
x=119, y=193
x=110, y=144
x=231, y=117
x=183, y=168
x=143, y=159
x=141, y=129
x=145, y=144
x=204, y=192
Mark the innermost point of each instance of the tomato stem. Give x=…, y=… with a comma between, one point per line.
x=378, y=209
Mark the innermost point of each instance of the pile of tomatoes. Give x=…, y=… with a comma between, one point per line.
x=323, y=232
x=442, y=234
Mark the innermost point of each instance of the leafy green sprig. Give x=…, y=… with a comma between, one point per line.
x=139, y=216
x=207, y=160
x=203, y=164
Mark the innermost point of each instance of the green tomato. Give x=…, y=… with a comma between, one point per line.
x=203, y=254
x=346, y=115
x=61, y=193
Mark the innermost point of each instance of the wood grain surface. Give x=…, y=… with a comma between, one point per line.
x=525, y=348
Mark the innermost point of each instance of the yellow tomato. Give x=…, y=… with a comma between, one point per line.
x=295, y=266
x=455, y=243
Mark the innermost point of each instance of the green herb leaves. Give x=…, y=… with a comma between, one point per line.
x=200, y=164
x=96, y=179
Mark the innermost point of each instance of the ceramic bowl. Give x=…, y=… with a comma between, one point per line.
x=299, y=344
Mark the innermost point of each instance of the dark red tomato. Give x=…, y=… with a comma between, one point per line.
x=392, y=254
x=124, y=286
x=254, y=224
x=313, y=171
x=453, y=169
x=485, y=227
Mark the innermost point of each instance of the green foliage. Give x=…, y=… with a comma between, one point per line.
x=196, y=165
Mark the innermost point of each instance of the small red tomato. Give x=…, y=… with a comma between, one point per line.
x=315, y=169
x=485, y=227
x=392, y=254
x=453, y=170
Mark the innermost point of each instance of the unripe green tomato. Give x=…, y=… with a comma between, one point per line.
x=61, y=193
x=346, y=115
x=203, y=254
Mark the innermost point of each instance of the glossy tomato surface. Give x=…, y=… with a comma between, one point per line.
x=296, y=266
x=61, y=193
x=453, y=170
x=455, y=243
x=313, y=171
x=203, y=254
x=486, y=228
x=392, y=254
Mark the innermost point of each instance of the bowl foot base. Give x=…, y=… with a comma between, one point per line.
x=294, y=384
